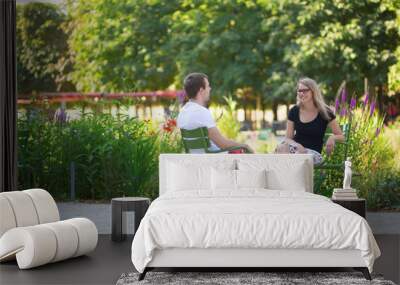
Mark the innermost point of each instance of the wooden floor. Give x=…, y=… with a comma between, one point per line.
x=110, y=260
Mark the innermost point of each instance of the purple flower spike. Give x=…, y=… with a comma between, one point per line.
x=181, y=96
x=352, y=103
x=366, y=99
x=372, y=108
x=343, y=112
x=378, y=130
x=61, y=116
x=337, y=104
x=344, y=95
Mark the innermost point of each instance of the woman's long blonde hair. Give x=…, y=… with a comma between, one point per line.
x=318, y=100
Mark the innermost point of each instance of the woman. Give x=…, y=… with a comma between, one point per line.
x=307, y=123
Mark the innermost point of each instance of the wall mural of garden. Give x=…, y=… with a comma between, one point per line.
x=99, y=147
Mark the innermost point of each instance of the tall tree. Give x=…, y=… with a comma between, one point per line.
x=394, y=72
x=121, y=45
x=229, y=41
x=42, y=49
x=224, y=40
x=246, y=47
x=280, y=82
x=345, y=40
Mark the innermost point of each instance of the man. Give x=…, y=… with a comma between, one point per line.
x=195, y=114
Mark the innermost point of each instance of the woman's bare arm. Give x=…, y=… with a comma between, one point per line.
x=290, y=133
x=336, y=130
x=289, y=130
x=336, y=136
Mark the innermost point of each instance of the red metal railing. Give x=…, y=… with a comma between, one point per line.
x=76, y=96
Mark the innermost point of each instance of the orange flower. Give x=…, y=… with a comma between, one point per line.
x=169, y=125
x=172, y=122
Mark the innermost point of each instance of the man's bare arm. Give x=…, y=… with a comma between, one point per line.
x=222, y=142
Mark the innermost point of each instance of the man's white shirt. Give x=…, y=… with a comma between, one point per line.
x=193, y=116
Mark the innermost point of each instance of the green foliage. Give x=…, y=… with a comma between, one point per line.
x=113, y=156
x=371, y=153
x=42, y=49
x=224, y=40
x=349, y=41
x=392, y=133
x=227, y=119
x=120, y=46
x=248, y=48
x=267, y=145
x=258, y=46
x=171, y=142
x=264, y=46
x=394, y=74
x=394, y=71
x=386, y=192
x=170, y=136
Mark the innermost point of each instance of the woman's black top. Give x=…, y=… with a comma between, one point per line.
x=310, y=134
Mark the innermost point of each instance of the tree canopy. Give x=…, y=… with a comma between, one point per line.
x=121, y=45
x=42, y=48
x=258, y=47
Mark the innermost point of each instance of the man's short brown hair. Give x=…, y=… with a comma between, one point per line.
x=193, y=82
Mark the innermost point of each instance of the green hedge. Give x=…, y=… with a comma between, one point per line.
x=113, y=156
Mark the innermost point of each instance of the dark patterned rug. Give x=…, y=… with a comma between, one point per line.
x=229, y=278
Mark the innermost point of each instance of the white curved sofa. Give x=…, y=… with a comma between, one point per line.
x=31, y=230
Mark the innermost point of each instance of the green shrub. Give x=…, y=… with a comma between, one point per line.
x=392, y=132
x=371, y=152
x=386, y=192
x=267, y=145
x=113, y=156
x=226, y=118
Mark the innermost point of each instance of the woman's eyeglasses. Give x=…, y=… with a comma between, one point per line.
x=304, y=90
